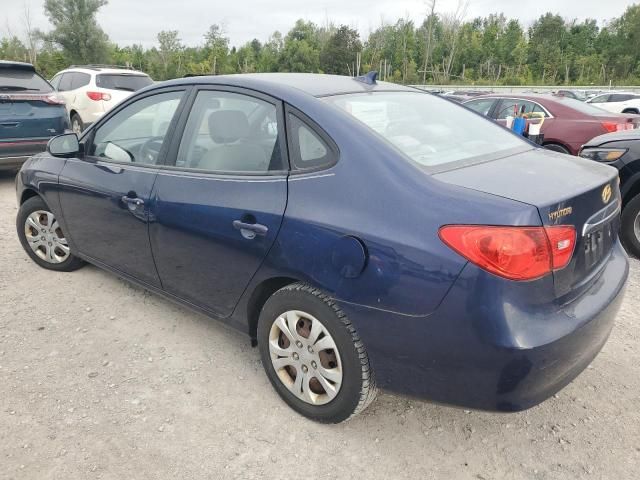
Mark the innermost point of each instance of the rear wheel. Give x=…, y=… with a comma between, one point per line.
x=76, y=124
x=313, y=355
x=42, y=238
x=630, y=230
x=557, y=148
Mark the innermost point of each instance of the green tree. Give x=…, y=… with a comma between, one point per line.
x=76, y=30
x=339, y=54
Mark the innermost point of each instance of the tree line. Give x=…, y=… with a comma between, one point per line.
x=446, y=48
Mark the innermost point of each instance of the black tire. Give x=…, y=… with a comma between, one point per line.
x=628, y=235
x=75, y=119
x=30, y=206
x=557, y=148
x=357, y=389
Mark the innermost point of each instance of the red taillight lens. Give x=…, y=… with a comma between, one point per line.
x=562, y=240
x=516, y=253
x=99, y=96
x=613, y=126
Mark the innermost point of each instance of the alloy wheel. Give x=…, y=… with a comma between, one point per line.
x=305, y=357
x=45, y=237
x=75, y=126
x=636, y=227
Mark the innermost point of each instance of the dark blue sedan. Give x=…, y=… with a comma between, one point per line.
x=348, y=227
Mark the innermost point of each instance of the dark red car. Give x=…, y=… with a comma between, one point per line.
x=568, y=123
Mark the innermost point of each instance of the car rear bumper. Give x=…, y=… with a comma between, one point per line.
x=14, y=153
x=480, y=351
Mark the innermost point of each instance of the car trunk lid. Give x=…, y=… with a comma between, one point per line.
x=24, y=115
x=566, y=191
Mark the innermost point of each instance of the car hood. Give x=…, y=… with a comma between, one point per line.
x=625, y=135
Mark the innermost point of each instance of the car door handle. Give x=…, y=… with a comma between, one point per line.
x=256, y=228
x=138, y=202
x=9, y=124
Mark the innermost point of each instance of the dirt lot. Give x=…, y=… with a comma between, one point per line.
x=100, y=379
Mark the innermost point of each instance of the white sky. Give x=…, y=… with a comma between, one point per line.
x=135, y=21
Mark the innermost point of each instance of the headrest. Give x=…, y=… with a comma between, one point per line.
x=228, y=126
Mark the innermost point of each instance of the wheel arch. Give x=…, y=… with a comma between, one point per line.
x=261, y=293
x=29, y=193
x=631, y=110
x=633, y=192
x=559, y=144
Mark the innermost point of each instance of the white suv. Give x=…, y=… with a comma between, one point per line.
x=617, y=102
x=92, y=90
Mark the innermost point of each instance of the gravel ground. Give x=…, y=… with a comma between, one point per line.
x=100, y=379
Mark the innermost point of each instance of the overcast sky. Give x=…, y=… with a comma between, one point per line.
x=135, y=21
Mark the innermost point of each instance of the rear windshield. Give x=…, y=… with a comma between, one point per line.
x=129, y=83
x=22, y=81
x=431, y=131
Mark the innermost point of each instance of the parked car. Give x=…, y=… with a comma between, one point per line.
x=92, y=90
x=30, y=113
x=462, y=95
x=461, y=265
x=617, y=102
x=568, y=123
x=575, y=94
x=622, y=151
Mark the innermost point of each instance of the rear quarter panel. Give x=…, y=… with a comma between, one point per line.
x=393, y=208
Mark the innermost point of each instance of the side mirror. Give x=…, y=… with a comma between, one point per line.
x=64, y=146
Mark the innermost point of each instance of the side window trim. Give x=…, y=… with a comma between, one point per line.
x=87, y=139
x=181, y=124
x=315, y=128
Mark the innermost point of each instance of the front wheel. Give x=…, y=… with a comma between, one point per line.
x=313, y=355
x=42, y=238
x=630, y=229
x=557, y=148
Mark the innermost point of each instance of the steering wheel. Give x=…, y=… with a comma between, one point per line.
x=150, y=150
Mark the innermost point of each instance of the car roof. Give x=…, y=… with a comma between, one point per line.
x=17, y=65
x=98, y=69
x=317, y=85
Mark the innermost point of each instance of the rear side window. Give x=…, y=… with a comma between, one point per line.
x=620, y=97
x=126, y=82
x=232, y=133
x=55, y=81
x=79, y=80
x=600, y=99
x=17, y=80
x=309, y=149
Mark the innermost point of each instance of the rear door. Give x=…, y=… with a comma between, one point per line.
x=217, y=210
x=106, y=194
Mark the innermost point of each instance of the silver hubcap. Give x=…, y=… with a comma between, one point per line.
x=45, y=237
x=305, y=357
x=636, y=227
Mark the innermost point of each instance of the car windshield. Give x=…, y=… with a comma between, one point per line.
x=22, y=81
x=429, y=130
x=126, y=82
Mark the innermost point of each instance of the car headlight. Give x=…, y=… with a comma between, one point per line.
x=603, y=154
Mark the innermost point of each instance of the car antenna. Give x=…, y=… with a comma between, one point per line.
x=369, y=78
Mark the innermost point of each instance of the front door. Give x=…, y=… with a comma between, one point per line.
x=105, y=195
x=218, y=210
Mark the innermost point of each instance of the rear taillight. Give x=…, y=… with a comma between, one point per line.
x=516, y=253
x=97, y=96
x=618, y=127
x=53, y=99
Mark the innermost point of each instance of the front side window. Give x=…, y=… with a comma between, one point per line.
x=231, y=133
x=513, y=107
x=620, y=97
x=600, y=99
x=137, y=133
x=430, y=131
